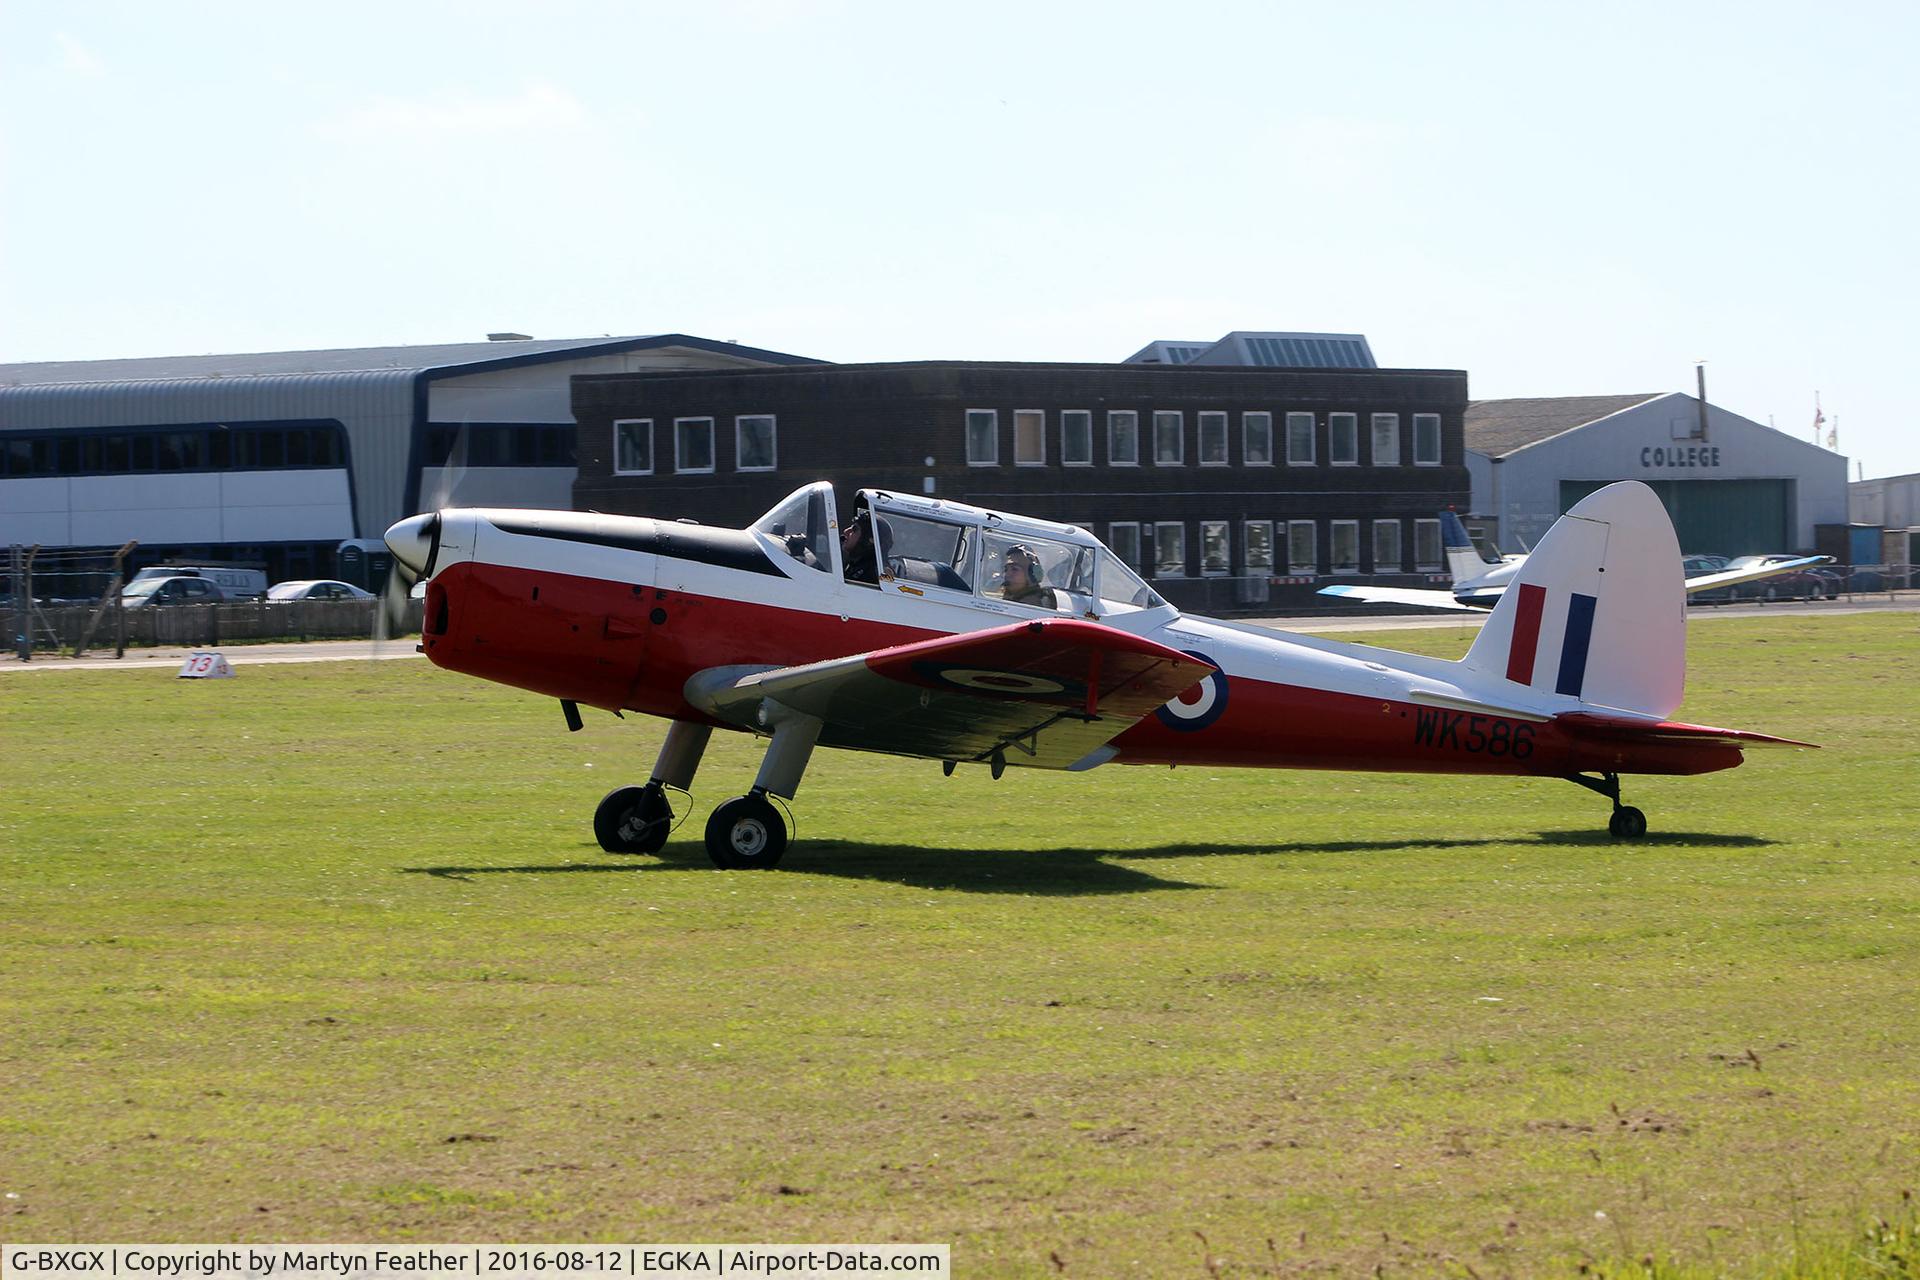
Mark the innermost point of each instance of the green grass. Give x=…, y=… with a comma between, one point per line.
x=327, y=952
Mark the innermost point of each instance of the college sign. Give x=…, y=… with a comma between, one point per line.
x=1659, y=457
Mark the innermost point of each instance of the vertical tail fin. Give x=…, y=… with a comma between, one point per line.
x=1597, y=611
x=1464, y=560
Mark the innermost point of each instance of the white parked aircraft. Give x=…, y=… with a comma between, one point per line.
x=1478, y=583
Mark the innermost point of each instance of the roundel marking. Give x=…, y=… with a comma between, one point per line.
x=1199, y=706
x=1009, y=684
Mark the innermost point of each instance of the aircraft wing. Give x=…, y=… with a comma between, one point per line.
x=1431, y=599
x=1727, y=577
x=1485, y=599
x=1045, y=693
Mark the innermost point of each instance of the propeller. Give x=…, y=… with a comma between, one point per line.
x=415, y=543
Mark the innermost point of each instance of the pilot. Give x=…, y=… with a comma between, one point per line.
x=857, y=550
x=1021, y=576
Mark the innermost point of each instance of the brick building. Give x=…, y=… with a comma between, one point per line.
x=1229, y=486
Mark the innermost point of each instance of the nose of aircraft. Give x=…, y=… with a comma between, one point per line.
x=411, y=542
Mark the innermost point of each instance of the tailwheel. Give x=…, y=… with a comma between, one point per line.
x=633, y=820
x=746, y=834
x=1627, y=823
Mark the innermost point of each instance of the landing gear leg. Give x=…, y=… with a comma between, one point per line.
x=1627, y=822
x=747, y=832
x=639, y=819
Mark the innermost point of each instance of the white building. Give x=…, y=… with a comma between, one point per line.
x=281, y=456
x=1732, y=485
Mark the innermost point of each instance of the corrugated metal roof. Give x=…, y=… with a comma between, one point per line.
x=1164, y=352
x=1265, y=349
x=1499, y=427
x=404, y=360
x=1291, y=350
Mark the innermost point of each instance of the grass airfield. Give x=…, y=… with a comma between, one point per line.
x=327, y=953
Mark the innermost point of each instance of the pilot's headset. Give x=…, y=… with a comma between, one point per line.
x=1024, y=554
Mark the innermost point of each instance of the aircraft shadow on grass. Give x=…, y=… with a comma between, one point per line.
x=1051, y=872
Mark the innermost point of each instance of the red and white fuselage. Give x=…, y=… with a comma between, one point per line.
x=1576, y=671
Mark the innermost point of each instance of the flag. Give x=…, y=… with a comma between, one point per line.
x=1819, y=420
x=1833, y=435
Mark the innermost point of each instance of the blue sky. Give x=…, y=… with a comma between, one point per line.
x=1559, y=199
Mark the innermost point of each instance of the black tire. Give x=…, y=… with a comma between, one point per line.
x=1627, y=823
x=633, y=820
x=746, y=834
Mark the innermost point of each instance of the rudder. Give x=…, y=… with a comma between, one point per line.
x=1598, y=610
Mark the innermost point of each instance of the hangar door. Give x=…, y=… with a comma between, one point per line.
x=1716, y=517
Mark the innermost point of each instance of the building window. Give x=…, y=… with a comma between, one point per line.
x=1169, y=438
x=1426, y=439
x=1170, y=550
x=1258, y=538
x=633, y=447
x=1299, y=439
x=1256, y=439
x=1386, y=546
x=1345, y=544
x=1076, y=437
x=1123, y=438
x=1029, y=438
x=1426, y=545
x=983, y=437
x=1216, y=549
x=753, y=442
x=1302, y=555
x=1213, y=439
x=693, y=444
x=1343, y=439
x=1124, y=541
x=1386, y=439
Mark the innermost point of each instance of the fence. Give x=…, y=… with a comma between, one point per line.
x=64, y=626
x=207, y=625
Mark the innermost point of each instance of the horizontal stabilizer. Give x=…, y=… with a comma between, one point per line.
x=1595, y=725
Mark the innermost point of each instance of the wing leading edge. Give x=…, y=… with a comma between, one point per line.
x=1045, y=694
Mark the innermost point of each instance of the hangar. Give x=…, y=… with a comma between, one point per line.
x=1733, y=486
x=280, y=457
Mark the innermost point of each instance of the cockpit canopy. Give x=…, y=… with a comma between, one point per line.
x=962, y=550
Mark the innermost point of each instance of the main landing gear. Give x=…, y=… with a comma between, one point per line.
x=639, y=819
x=748, y=832
x=1627, y=822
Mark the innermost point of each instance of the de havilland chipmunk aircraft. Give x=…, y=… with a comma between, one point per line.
x=1478, y=582
x=979, y=637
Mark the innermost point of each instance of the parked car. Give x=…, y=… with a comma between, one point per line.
x=1801, y=584
x=1698, y=566
x=234, y=584
x=145, y=592
x=317, y=589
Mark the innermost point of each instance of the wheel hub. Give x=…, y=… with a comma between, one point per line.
x=748, y=837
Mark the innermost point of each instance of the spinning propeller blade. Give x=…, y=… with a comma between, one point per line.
x=415, y=542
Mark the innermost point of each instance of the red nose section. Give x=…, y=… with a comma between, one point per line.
x=578, y=639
